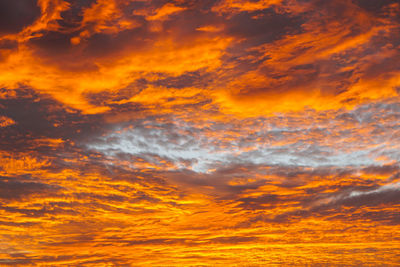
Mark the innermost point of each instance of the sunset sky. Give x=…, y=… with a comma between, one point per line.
x=200, y=132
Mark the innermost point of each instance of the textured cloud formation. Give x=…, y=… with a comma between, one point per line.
x=229, y=132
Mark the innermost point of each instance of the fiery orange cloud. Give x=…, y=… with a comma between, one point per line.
x=5, y=121
x=185, y=133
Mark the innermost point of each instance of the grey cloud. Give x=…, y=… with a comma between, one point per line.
x=15, y=15
x=16, y=188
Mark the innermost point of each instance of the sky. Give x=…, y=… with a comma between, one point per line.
x=199, y=133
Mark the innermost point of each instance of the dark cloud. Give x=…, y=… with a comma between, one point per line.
x=72, y=17
x=347, y=205
x=385, y=196
x=8, y=44
x=382, y=170
x=372, y=6
x=262, y=202
x=134, y=41
x=269, y=26
x=37, y=117
x=17, y=188
x=15, y=15
x=38, y=213
x=107, y=98
x=6, y=48
x=194, y=78
x=52, y=43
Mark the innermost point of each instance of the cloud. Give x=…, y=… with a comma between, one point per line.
x=226, y=132
x=17, y=15
x=14, y=188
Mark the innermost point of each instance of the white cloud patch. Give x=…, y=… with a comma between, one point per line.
x=355, y=138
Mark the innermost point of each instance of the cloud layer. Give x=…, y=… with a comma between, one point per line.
x=199, y=132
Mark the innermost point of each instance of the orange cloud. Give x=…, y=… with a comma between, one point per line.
x=5, y=121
